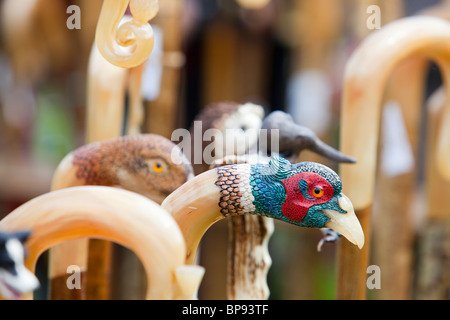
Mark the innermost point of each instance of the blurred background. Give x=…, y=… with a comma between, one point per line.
x=289, y=55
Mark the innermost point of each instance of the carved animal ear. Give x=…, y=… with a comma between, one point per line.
x=22, y=236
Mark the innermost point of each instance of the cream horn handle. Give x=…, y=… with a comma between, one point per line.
x=116, y=215
x=126, y=42
x=106, y=88
x=365, y=78
x=195, y=208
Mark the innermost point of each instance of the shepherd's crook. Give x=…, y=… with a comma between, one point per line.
x=365, y=78
x=117, y=215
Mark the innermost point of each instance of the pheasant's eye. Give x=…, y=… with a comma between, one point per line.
x=158, y=167
x=317, y=192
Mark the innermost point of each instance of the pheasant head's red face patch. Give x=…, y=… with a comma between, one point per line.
x=303, y=191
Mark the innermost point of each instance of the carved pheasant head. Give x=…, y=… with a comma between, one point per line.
x=306, y=194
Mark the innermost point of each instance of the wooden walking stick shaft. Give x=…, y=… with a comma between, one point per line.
x=371, y=64
x=249, y=236
x=432, y=272
x=354, y=288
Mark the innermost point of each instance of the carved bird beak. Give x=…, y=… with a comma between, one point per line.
x=293, y=138
x=347, y=223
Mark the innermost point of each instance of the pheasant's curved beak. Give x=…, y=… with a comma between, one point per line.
x=347, y=223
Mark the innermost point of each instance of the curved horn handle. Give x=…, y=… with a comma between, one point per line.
x=442, y=155
x=365, y=78
x=116, y=215
x=126, y=42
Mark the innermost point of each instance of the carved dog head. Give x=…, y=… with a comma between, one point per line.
x=15, y=278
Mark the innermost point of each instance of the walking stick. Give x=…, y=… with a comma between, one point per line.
x=140, y=163
x=372, y=62
x=394, y=227
x=116, y=215
x=125, y=42
x=237, y=126
x=258, y=189
x=248, y=256
x=107, y=86
x=393, y=222
x=161, y=118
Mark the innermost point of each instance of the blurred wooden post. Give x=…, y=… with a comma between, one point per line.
x=433, y=251
x=163, y=114
x=346, y=255
x=393, y=233
x=432, y=272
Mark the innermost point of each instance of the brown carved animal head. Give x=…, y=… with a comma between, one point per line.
x=147, y=164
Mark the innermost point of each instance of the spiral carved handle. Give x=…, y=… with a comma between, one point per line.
x=123, y=40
